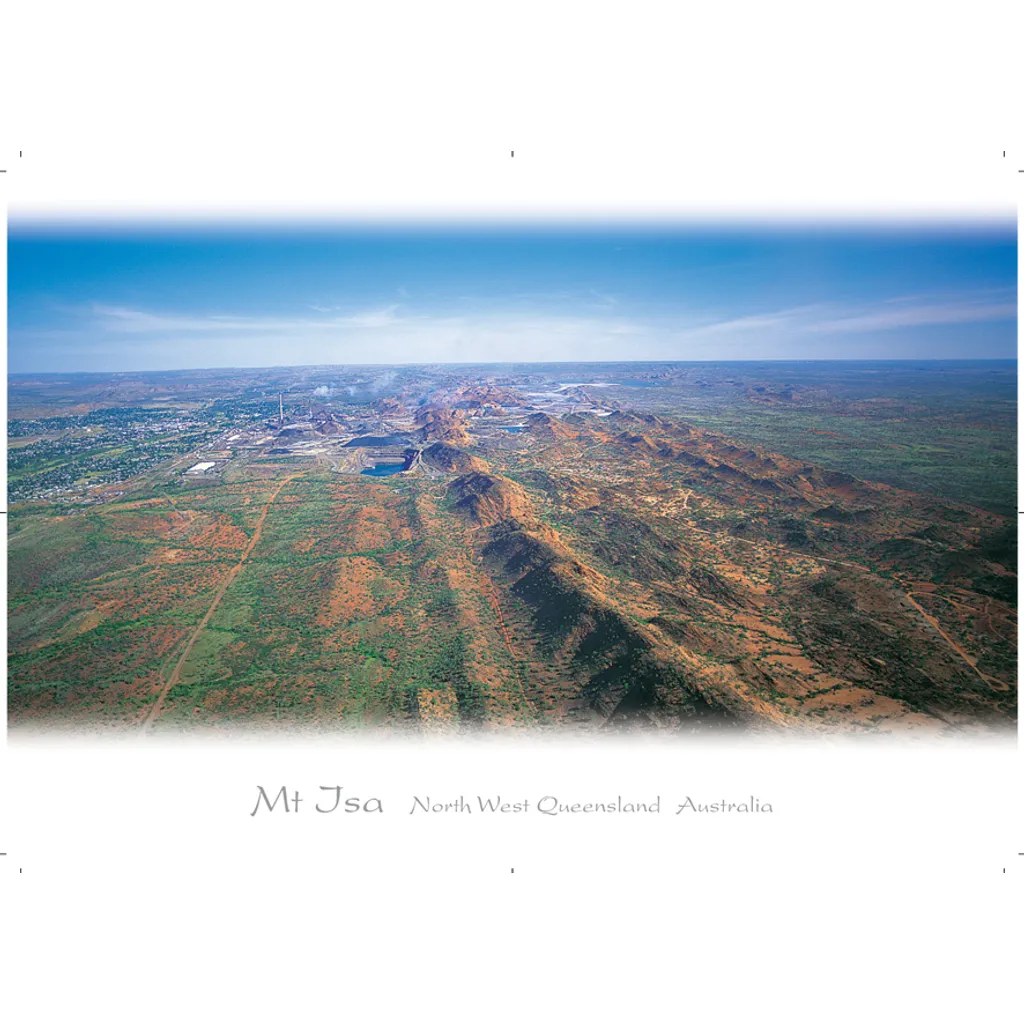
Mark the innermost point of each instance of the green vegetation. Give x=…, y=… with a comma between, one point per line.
x=600, y=570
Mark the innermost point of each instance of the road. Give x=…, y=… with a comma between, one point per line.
x=996, y=684
x=172, y=680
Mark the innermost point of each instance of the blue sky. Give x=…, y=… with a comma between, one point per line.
x=165, y=297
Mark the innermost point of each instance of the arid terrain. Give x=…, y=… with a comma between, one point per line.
x=697, y=549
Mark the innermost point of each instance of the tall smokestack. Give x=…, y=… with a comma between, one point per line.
x=280, y=415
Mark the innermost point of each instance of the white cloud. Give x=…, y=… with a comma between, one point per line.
x=124, y=319
x=755, y=323
x=891, y=314
x=103, y=336
x=371, y=318
x=919, y=315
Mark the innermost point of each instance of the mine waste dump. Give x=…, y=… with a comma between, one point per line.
x=378, y=442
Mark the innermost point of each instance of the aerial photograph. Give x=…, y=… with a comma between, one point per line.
x=573, y=479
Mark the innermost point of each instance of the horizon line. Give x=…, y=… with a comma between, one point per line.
x=503, y=363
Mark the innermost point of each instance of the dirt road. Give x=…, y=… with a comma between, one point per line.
x=996, y=684
x=172, y=680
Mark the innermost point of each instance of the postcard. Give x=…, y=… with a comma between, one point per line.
x=487, y=566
